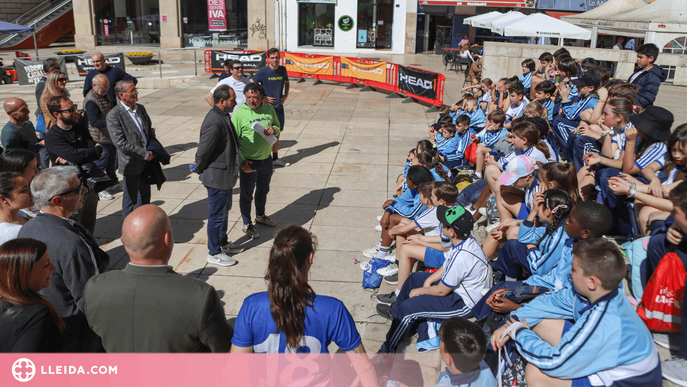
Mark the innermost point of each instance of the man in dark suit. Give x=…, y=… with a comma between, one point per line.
x=217, y=161
x=147, y=307
x=131, y=131
x=73, y=251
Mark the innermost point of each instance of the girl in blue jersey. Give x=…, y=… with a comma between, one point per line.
x=290, y=317
x=528, y=67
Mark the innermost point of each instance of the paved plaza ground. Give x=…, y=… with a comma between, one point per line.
x=346, y=148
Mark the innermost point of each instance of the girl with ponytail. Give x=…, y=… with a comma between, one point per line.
x=434, y=166
x=290, y=317
x=559, y=176
x=538, y=247
x=425, y=146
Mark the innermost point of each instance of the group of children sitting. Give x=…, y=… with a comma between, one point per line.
x=552, y=176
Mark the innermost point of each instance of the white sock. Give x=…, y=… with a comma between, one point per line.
x=478, y=174
x=397, y=292
x=379, y=244
x=382, y=252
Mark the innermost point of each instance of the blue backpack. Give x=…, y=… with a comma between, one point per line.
x=635, y=251
x=371, y=279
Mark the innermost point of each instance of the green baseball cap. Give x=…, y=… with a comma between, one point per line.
x=456, y=218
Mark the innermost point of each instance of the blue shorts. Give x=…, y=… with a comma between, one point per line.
x=434, y=258
x=579, y=382
x=523, y=213
x=280, y=117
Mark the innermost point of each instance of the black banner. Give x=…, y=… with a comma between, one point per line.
x=420, y=83
x=251, y=62
x=84, y=63
x=30, y=72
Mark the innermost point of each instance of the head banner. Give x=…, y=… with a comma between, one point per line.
x=421, y=83
x=253, y=61
x=299, y=64
x=372, y=71
x=84, y=63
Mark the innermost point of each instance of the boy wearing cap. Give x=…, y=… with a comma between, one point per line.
x=450, y=291
x=519, y=182
x=565, y=124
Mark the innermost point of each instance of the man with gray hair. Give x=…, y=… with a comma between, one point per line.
x=73, y=251
x=113, y=74
x=132, y=133
x=97, y=105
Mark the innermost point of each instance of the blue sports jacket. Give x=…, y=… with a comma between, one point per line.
x=407, y=205
x=544, y=258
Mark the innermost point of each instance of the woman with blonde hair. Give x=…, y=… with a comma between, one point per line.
x=55, y=85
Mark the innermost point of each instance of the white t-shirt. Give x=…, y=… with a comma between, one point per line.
x=465, y=270
x=428, y=222
x=8, y=231
x=237, y=86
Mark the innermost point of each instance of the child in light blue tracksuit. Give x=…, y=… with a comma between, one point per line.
x=603, y=340
x=477, y=117
x=454, y=152
x=564, y=125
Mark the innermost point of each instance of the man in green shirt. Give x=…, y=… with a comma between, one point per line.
x=19, y=131
x=255, y=156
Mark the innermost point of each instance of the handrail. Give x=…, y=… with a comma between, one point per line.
x=46, y=9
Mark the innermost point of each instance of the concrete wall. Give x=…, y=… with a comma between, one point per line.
x=504, y=59
x=84, y=28
x=170, y=30
x=260, y=24
x=11, y=9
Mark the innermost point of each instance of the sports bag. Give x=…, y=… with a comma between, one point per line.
x=661, y=306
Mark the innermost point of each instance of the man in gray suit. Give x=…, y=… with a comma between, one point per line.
x=217, y=163
x=147, y=307
x=131, y=131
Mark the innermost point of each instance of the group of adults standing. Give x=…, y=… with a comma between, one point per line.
x=230, y=148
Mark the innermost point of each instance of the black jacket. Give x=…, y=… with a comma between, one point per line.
x=217, y=154
x=75, y=145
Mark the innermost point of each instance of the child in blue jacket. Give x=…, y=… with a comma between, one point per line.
x=647, y=77
x=588, y=334
x=564, y=125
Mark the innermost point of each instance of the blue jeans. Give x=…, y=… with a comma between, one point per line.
x=258, y=181
x=108, y=161
x=220, y=204
x=136, y=193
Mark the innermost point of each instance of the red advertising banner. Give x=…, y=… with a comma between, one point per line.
x=217, y=18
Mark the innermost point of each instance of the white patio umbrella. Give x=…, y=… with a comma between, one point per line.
x=509, y=18
x=483, y=20
x=539, y=24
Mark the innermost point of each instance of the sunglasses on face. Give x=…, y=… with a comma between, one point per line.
x=70, y=110
x=61, y=79
x=238, y=68
x=76, y=191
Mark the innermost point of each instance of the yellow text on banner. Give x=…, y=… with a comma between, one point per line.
x=299, y=64
x=372, y=71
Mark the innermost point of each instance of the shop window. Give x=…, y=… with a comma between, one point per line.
x=316, y=24
x=127, y=21
x=375, y=18
x=196, y=30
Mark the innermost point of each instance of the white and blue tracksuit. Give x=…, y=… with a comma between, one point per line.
x=526, y=80
x=407, y=205
x=564, y=124
x=441, y=141
x=549, y=105
x=489, y=138
x=455, y=153
x=559, y=275
x=457, y=114
x=438, y=177
x=515, y=111
x=608, y=344
x=534, y=153
x=482, y=377
x=515, y=257
x=477, y=119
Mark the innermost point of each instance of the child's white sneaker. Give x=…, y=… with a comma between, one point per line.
x=389, y=270
x=371, y=253
x=378, y=228
x=491, y=227
x=379, y=218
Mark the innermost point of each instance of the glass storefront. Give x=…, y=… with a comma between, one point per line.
x=375, y=18
x=127, y=21
x=196, y=31
x=316, y=24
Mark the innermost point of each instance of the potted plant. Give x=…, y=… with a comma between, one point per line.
x=140, y=57
x=69, y=54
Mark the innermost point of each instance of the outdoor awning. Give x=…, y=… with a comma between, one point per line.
x=539, y=24
x=509, y=18
x=483, y=19
x=9, y=28
x=559, y=14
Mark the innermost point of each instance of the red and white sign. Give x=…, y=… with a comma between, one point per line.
x=217, y=17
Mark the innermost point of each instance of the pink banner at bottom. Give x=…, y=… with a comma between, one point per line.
x=170, y=370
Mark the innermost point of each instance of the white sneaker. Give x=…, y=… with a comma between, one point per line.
x=371, y=253
x=491, y=227
x=667, y=340
x=379, y=218
x=675, y=370
x=104, y=195
x=470, y=210
x=378, y=228
x=483, y=211
x=280, y=163
x=389, y=270
x=221, y=259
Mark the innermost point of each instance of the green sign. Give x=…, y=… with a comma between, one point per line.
x=345, y=23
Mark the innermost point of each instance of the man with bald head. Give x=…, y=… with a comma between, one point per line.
x=147, y=306
x=113, y=74
x=98, y=104
x=19, y=132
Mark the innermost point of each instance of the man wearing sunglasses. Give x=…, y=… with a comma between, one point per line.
x=237, y=81
x=72, y=142
x=73, y=249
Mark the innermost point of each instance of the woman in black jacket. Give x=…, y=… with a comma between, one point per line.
x=28, y=322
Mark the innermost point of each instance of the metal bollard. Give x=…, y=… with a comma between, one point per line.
x=195, y=61
x=159, y=61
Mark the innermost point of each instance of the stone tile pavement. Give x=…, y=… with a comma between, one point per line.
x=346, y=148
